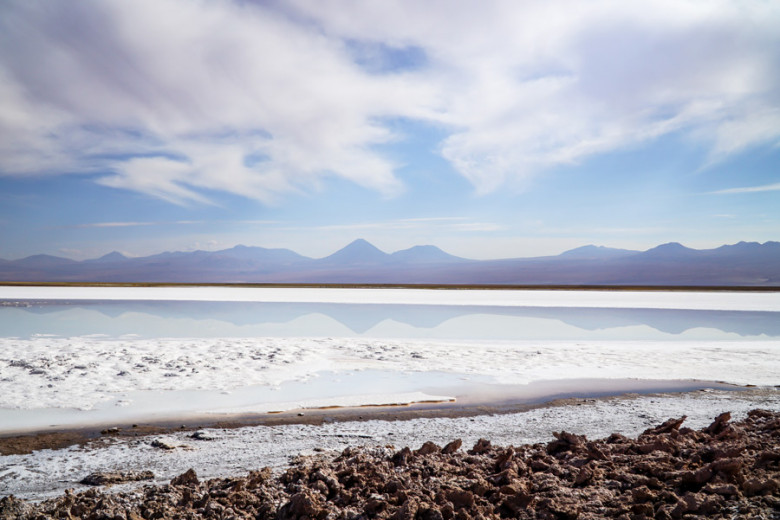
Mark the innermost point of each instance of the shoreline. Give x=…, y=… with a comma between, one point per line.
x=231, y=452
x=523, y=287
x=422, y=286
x=494, y=399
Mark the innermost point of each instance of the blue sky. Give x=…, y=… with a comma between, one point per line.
x=490, y=129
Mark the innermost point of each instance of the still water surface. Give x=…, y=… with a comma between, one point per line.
x=555, y=335
x=176, y=319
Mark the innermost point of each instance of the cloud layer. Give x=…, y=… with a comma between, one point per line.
x=176, y=98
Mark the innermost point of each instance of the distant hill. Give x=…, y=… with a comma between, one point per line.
x=358, y=253
x=425, y=255
x=111, y=258
x=596, y=252
x=741, y=264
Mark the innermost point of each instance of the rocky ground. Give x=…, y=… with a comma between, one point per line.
x=726, y=470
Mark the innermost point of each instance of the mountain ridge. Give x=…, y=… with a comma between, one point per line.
x=743, y=263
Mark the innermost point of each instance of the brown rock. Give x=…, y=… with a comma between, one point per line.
x=452, y=447
x=565, y=441
x=188, y=479
x=303, y=505
x=721, y=489
x=767, y=458
x=728, y=467
x=402, y=457
x=503, y=477
x=407, y=511
x=696, y=479
x=584, y=476
x=482, y=446
x=759, y=486
x=12, y=508
x=643, y=494
x=666, y=427
x=515, y=504
x=719, y=424
x=460, y=498
x=375, y=505
x=107, y=478
x=163, y=444
x=731, y=474
x=256, y=479
x=505, y=459
x=428, y=448
x=480, y=487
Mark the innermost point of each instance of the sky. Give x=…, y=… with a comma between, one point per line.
x=490, y=128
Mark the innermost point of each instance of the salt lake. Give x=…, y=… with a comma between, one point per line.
x=92, y=355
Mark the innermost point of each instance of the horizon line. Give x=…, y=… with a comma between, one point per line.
x=358, y=240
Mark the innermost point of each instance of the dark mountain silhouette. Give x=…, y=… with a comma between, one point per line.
x=112, y=258
x=741, y=264
x=359, y=252
x=45, y=261
x=424, y=254
x=263, y=255
x=671, y=251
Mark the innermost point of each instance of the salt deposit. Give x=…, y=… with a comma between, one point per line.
x=85, y=372
x=736, y=301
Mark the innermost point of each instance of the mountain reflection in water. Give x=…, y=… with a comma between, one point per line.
x=246, y=319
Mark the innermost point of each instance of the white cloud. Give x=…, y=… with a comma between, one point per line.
x=109, y=85
x=175, y=98
x=137, y=224
x=114, y=224
x=528, y=85
x=749, y=189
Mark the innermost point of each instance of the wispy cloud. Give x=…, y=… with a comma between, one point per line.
x=441, y=223
x=478, y=227
x=749, y=189
x=176, y=223
x=136, y=224
x=179, y=99
x=114, y=224
x=434, y=219
x=255, y=222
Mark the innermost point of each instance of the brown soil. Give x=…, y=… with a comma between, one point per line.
x=727, y=470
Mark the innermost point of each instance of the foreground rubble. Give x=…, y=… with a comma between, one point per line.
x=727, y=470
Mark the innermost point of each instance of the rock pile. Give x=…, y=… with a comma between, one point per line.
x=107, y=478
x=727, y=470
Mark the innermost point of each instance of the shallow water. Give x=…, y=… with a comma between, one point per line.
x=122, y=353
x=176, y=319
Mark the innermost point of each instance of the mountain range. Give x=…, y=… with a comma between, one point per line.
x=741, y=264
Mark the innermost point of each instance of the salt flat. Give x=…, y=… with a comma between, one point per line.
x=84, y=373
x=55, y=380
x=738, y=301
